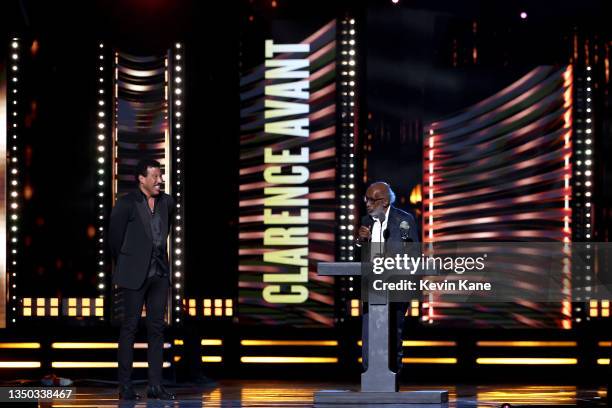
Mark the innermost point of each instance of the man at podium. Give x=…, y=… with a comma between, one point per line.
x=385, y=223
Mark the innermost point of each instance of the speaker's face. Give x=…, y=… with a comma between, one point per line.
x=376, y=200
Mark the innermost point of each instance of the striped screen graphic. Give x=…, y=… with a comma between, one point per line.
x=318, y=309
x=501, y=170
x=141, y=116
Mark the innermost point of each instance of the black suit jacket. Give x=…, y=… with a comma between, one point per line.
x=131, y=240
x=393, y=233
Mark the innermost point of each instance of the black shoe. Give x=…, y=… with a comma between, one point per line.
x=158, y=392
x=128, y=393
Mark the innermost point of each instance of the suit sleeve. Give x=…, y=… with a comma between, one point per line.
x=118, y=223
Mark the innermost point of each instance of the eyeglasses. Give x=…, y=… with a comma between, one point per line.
x=367, y=199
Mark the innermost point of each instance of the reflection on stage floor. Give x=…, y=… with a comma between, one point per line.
x=279, y=394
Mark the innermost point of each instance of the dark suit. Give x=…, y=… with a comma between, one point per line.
x=397, y=311
x=132, y=246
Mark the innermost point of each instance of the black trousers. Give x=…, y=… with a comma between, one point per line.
x=154, y=294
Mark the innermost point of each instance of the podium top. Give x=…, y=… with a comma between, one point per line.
x=339, y=268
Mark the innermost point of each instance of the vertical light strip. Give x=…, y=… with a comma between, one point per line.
x=176, y=112
x=588, y=155
x=115, y=132
x=12, y=155
x=583, y=188
x=587, y=180
x=430, y=170
x=348, y=127
x=348, y=120
x=101, y=158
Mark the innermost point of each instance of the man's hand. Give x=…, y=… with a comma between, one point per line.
x=364, y=234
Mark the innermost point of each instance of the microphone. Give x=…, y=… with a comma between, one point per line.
x=405, y=231
x=367, y=222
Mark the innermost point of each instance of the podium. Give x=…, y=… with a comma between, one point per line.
x=378, y=383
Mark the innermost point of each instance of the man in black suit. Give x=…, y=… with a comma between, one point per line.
x=139, y=227
x=386, y=224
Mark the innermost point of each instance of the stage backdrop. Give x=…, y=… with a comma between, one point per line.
x=289, y=172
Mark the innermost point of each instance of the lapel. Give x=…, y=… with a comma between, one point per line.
x=141, y=207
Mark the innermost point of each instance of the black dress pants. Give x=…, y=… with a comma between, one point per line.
x=154, y=292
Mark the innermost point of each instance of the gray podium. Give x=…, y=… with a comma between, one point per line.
x=378, y=383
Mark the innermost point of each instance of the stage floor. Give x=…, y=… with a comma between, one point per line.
x=279, y=394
